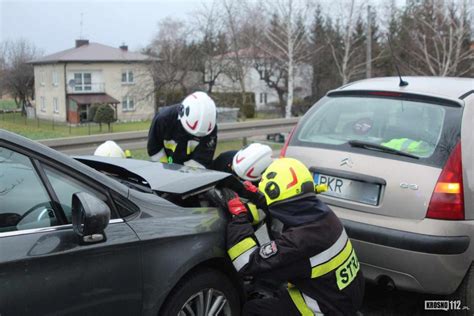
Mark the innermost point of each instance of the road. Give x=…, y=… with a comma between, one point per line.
x=382, y=302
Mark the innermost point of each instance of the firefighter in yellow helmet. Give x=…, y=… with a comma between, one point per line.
x=311, y=253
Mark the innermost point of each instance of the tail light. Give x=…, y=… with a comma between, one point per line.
x=447, y=201
x=285, y=146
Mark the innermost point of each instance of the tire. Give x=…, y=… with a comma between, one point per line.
x=465, y=293
x=201, y=284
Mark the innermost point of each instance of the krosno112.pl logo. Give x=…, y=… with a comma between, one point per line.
x=445, y=305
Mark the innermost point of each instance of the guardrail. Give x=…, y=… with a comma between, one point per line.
x=136, y=140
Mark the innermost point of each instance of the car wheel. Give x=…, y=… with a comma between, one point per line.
x=203, y=293
x=465, y=293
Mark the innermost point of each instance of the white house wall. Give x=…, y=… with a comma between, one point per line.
x=47, y=89
x=108, y=74
x=253, y=83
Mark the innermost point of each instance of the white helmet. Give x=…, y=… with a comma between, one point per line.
x=109, y=149
x=250, y=162
x=198, y=114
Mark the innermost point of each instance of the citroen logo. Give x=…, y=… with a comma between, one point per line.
x=347, y=162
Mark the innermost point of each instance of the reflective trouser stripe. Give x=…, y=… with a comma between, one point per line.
x=334, y=263
x=312, y=304
x=306, y=305
x=331, y=252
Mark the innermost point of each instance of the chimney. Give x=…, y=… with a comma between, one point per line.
x=81, y=42
x=123, y=47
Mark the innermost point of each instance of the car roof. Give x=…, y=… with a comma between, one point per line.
x=49, y=154
x=444, y=87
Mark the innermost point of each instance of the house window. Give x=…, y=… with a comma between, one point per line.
x=55, y=78
x=128, y=104
x=55, y=105
x=263, y=98
x=83, y=81
x=41, y=75
x=127, y=76
x=43, y=104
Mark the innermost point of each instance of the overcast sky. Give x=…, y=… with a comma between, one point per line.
x=54, y=25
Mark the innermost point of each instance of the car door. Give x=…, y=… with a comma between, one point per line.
x=44, y=266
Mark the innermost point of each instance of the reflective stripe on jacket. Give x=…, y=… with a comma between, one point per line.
x=317, y=258
x=409, y=146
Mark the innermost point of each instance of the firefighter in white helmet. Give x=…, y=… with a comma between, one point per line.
x=185, y=133
x=247, y=166
x=109, y=149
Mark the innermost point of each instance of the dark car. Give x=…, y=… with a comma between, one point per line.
x=129, y=238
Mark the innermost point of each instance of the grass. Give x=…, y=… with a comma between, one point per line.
x=221, y=147
x=7, y=105
x=43, y=129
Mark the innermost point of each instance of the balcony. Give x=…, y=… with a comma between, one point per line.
x=86, y=88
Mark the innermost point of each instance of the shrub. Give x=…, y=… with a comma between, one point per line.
x=104, y=114
x=93, y=110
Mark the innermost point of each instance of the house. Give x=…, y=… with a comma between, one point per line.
x=69, y=82
x=254, y=73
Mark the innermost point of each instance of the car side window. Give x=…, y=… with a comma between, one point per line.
x=65, y=186
x=24, y=201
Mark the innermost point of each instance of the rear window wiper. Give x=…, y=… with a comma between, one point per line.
x=385, y=149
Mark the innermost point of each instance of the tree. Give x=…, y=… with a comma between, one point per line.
x=236, y=26
x=104, y=114
x=17, y=73
x=212, y=49
x=324, y=69
x=174, y=58
x=439, y=35
x=286, y=40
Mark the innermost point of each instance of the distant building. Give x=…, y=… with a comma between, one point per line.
x=254, y=82
x=67, y=83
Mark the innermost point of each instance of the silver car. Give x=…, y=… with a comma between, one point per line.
x=399, y=164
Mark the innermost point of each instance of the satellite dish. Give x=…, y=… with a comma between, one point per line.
x=72, y=83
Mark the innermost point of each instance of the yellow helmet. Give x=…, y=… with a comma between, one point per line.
x=284, y=179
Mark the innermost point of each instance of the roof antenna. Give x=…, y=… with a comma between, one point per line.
x=402, y=83
x=82, y=24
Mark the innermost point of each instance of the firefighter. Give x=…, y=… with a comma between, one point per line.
x=109, y=149
x=311, y=252
x=246, y=166
x=185, y=133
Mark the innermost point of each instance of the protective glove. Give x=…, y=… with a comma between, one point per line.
x=235, y=206
x=250, y=187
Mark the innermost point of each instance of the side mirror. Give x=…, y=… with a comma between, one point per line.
x=90, y=217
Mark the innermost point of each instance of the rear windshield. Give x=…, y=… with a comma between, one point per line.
x=425, y=130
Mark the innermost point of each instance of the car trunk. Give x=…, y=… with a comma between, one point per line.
x=379, y=152
x=399, y=189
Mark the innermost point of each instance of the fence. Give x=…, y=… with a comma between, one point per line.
x=138, y=139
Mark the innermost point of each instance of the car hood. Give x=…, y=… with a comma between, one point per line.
x=168, y=178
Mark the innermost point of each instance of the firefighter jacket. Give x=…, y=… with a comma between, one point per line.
x=313, y=255
x=166, y=132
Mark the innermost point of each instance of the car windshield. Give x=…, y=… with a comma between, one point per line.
x=410, y=127
x=422, y=130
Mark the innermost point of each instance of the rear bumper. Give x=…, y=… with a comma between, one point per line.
x=427, y=256
x=442, y=245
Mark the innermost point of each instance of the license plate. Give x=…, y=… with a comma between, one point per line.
x=347, y=189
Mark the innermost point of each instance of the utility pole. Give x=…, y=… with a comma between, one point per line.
x=369, y=44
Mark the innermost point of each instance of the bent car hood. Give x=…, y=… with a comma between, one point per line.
x=168, y=178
